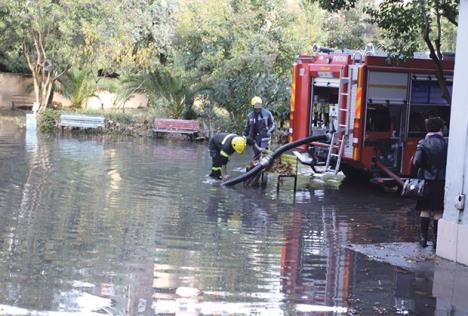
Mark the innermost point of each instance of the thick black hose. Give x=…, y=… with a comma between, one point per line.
x=266, y=161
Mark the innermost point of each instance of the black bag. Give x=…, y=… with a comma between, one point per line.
x=414, y=188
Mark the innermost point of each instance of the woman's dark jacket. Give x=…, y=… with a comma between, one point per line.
x=431, y=157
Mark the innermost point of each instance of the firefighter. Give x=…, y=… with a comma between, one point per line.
x=223, y=145
x=260, y=125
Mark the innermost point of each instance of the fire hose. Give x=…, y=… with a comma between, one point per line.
x=266, y=161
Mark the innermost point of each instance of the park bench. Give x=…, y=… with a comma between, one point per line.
x=22, y=102
x=190, y=128
x=82, y=121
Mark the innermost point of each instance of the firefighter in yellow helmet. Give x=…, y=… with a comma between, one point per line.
x=223, y=145
x=260, y=125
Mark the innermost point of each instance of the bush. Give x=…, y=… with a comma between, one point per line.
x=120, y=117
x=48, y=121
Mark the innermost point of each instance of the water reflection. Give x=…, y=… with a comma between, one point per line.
x=129, y=227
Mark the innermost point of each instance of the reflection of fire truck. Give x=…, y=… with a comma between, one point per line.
x=376, y=106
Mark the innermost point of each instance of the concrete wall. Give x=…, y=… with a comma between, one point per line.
x=108, y=101
x=11, y=85
x=453, y=227
x=16, y=85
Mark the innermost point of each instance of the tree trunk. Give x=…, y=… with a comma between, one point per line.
x=436, y=54
x=43, y=79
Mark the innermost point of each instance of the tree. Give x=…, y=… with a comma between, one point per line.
x=78, y=85
x=52, y=36
x=161, y=84
x=241, y=49
x=350, y=29
x=150, y=28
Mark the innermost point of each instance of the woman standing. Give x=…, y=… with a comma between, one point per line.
x=431, y=159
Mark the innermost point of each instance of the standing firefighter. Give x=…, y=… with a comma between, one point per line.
x=222, y=146
x=260, y=125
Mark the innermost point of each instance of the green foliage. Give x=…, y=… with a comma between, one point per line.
x=161, y=84
x=150, y=28
x=48, y=121
x=241, y=49
x=52, y=36
x=121, y=117
x=349, y=29
x=78, y=85
x=401, y=24
x=336, y=5
x=108, y=84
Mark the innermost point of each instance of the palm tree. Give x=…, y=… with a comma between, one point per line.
x=161, y=84
x=78, y=85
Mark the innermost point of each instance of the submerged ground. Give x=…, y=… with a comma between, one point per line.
x=133, y=227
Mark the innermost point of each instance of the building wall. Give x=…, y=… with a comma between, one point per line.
x=11, y=85
x=453, y=227
x=17, y=84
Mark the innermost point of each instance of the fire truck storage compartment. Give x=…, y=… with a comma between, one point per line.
x=386, y=116
x=324, y=98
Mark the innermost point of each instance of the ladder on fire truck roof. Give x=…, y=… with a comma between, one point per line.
x=336, y=151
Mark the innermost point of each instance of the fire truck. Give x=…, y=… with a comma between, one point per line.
x=373, y=106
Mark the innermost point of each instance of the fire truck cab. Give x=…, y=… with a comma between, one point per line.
x=375, y=107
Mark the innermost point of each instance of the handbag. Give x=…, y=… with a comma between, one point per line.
x=414, y=188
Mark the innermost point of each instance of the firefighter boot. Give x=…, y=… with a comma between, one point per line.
x=424, y=229
x=434, y=243
x=216, y=174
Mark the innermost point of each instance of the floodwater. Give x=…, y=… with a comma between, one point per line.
x=132, y=227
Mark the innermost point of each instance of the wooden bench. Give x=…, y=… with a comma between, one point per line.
x=185, y=127
x=22, y=102
x=82, y=121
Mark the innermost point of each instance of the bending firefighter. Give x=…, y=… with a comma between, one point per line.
x=222, y=146
x=260, y=125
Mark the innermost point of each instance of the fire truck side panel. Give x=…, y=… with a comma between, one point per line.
x=300, y=100
x=360, y=112
x=366, y=158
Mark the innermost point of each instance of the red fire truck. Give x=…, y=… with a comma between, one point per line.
x=375, y=106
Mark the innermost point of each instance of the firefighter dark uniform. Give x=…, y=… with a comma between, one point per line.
x=260, y=125
x=223, y=145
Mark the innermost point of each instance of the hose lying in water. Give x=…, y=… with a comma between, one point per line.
x=266, y=161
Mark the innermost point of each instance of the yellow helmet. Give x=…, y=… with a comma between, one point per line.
x=256, y=100
x=239, y=143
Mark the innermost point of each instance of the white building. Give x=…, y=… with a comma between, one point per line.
x=453, y=227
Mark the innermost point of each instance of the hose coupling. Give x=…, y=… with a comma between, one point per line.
x=265, y=161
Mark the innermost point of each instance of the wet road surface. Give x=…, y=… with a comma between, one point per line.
x=132, y=227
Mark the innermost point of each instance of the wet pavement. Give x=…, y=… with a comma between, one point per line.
x=131, y=227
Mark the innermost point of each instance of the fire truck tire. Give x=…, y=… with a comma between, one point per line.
x=355, y=175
